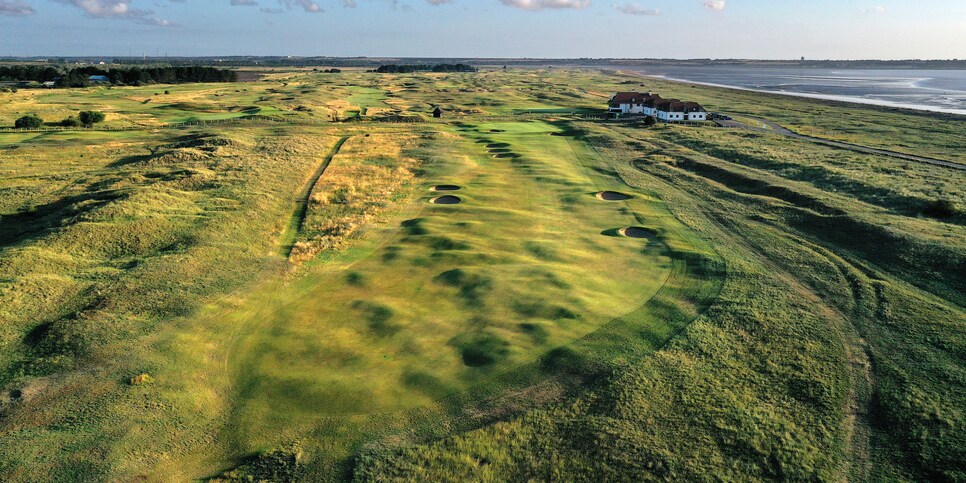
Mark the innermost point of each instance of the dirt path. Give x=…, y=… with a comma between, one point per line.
x=784, y=131
x=302, y=202
x=868, y=306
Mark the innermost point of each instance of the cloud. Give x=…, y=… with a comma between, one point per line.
x=438, y=2
x=243, y=3
x=106, y=8
x=117, y=9
x=874, y=10
x=716, y=5
x=535, y=5
x=307, y=5
x=635, y=9
x=394, y=5
x=16, y=8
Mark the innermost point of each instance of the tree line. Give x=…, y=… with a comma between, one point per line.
x=80, y=76
x=83, y=119
x=407, y=68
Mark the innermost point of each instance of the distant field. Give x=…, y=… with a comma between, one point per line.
x=329, y=293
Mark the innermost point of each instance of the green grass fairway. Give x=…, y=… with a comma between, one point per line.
x=509, y=293
x=366, y=97
x=440, y=298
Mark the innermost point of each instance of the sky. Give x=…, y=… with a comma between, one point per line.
x=766, y=29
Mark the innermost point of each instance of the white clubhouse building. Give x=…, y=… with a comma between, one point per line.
x=647, y=104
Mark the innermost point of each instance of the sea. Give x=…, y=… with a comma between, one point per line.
x=927, y=90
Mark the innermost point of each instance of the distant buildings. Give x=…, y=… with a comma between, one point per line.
x=647, y=104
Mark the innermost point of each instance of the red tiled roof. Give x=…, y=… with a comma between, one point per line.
x=692, y=107
x=629, y=98
x=667, y=104
x=624, y=97
x=653, y=100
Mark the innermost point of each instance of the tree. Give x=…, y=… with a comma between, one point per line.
x=70, y=122
x=30, y=121
x=89, y=118
x=74, y=78
x=650, y=121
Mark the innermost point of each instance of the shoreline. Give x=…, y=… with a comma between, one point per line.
x=828, y=97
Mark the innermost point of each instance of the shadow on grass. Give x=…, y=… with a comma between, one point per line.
x=31, y=224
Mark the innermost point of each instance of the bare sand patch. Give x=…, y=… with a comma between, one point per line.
x=446, y=200
x=637, y=232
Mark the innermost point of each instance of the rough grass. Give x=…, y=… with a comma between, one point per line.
x=797, y=316
x=367, y=177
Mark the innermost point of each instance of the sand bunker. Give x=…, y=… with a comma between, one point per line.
x=504, y=155
x=497, y=145
x=636, y=232
x=612, y=196
x=446, y=187
x=445, y=200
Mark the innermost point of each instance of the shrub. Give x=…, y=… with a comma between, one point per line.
x=650, y=121
x=30, y=121
x=70, y=122
x=89, y=118
x=141, y=379
x=284, y=464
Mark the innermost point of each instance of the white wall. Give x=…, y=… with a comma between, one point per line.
x=681, y=116
x=670, y=116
